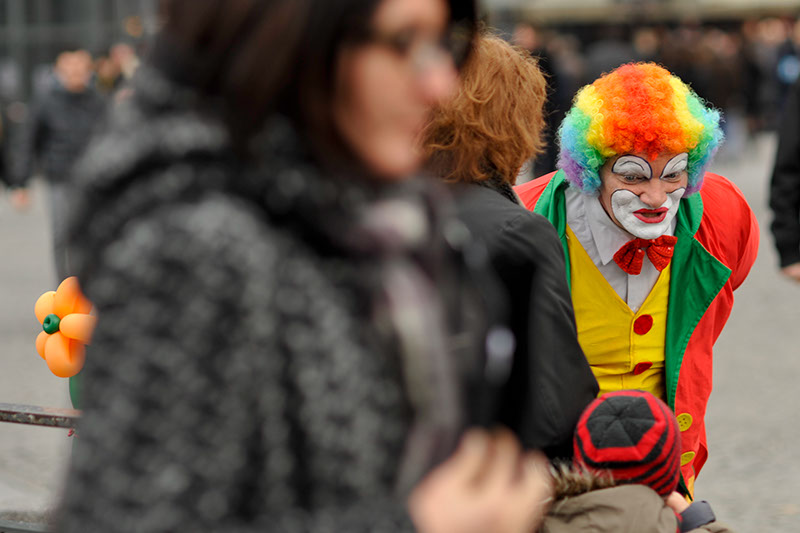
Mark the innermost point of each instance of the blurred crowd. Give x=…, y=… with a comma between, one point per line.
x=56, y=127
x=44, y=135
x=744, y=68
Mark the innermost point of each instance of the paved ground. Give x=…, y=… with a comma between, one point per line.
x=32, y=459
x=752, y=476
x=753, y=473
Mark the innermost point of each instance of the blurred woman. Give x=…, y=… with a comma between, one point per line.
x=479, y=141
x=277, y=302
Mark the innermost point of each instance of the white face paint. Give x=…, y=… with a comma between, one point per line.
x=640, y=219
x=675, y=166
x=632, y=166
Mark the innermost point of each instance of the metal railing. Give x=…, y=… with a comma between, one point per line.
x=34, y=415
x=10, y=526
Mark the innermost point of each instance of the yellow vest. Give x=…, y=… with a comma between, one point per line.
x=625, y=349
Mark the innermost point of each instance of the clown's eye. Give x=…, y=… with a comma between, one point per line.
x=632, y=178
x=675, y=176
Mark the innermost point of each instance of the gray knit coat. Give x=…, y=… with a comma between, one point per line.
x=278, y=349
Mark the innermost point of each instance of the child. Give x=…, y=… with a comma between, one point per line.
x=627, y=464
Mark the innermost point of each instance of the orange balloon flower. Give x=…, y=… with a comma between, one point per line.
x=68, y=326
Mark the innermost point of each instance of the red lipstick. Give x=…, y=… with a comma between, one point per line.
x=651, y=216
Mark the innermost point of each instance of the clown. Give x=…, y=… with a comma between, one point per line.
x=655, y=246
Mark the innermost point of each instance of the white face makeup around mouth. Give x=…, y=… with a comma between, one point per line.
x=625, y=204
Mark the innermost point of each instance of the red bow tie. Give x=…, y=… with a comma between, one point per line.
x=631, y=255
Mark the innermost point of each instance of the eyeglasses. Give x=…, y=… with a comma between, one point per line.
x=423, y=51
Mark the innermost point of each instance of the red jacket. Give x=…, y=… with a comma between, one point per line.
x=717, y=244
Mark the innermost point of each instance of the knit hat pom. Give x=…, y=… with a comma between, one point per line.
x=632, y=435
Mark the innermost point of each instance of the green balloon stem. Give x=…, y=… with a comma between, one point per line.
x=50, y=324
x=75, y=388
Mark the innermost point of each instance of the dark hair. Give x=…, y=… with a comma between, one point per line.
x=234, y=52
x=257, y=56
x=309, y=101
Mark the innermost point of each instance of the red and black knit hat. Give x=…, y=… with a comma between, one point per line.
x=634, y=436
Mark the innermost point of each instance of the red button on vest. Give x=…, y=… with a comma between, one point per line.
x=642, y=324
x=641, y=367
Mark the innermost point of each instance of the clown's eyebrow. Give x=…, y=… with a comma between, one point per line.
x=679, y=163
x=628, y=164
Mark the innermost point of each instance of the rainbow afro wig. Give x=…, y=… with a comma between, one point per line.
x=637, y=108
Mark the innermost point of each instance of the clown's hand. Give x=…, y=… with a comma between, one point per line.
x=677, y=502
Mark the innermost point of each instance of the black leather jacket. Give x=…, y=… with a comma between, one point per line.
x=551, y=381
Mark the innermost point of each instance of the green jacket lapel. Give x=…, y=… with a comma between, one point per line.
x=552, y=205
x=697, y=277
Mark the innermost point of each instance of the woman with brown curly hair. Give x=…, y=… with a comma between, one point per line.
x=479, y=141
